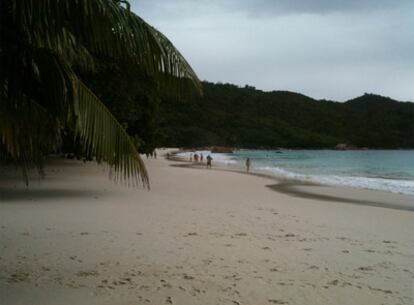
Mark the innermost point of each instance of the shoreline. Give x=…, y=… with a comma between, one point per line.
x=292, y=148
x=302, y=189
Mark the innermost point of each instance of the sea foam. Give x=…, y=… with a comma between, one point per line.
x=395, y=180
x=381, y=184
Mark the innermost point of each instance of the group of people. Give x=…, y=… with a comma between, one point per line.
x=152, y=154
x=198, y=158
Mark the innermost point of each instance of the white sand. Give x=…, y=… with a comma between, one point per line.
x=198, y=237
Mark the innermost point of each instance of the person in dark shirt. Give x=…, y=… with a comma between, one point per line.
x=248, y=164
x=209, y=159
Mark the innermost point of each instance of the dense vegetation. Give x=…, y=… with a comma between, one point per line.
x=245, y=117
x=48, y=51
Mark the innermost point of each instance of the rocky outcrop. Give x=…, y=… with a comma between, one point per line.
x=343, y=146
x=222, y=150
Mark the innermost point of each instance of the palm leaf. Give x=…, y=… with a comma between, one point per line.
x=103, y=137
x=74, y=27
x=27, y=134
x=42, y=40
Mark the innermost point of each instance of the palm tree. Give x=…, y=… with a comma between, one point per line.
x=42, y=42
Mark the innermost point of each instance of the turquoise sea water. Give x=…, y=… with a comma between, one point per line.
x=387, y=170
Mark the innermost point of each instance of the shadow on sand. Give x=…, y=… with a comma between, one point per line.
x=290, y=189
x=18, y=194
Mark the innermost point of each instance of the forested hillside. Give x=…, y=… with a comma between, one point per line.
x=245, y=117
x=228, y=115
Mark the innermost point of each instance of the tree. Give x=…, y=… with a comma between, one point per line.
x=43, y=43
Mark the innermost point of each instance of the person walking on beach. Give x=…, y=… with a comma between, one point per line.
x=201, y=157
x=196, y=158
x=209, y=158
x=248, y=164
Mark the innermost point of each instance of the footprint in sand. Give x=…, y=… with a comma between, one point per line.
x=275, y=301
x=240, y=234
x=119, y=282
x=343, y=238
x=165, y=284
x=230, y=290
x=235, y=277
x=19, y=277
x=366, y=268
x=381, y=290
x=194, y=291
x=141, y=299
x=87, y=273
x=188, y=277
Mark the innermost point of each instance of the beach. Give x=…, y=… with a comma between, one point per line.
x=200, y=236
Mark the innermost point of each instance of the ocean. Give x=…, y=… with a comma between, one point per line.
x=385, y=170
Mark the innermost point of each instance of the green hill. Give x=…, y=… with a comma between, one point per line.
x=245, y=117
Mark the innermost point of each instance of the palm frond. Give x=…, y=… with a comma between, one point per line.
x=42, y=40
x=103, y=137
x=101, y=27
x=27, y=134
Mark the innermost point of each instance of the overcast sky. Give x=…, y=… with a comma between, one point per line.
x=333, y=49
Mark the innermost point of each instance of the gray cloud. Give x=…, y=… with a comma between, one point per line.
x=269, y=7
x=316, y=6
x=326, y=49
